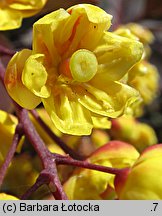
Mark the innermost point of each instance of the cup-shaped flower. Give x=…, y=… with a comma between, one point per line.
x=74, y=69
x=128, y=129
x=143, y=181
x=12, y=12
x=90, y=184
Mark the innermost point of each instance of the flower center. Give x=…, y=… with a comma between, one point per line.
x=82, y=66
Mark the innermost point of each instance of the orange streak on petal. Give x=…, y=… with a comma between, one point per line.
x=65, y=69
x=65, y=46
x=12, y=78
x=74, y=29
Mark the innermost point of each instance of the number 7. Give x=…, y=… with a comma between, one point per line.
x=156, y=204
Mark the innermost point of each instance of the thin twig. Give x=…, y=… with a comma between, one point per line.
x=17, y=136
x=41, y=180
x=87, y=165
x=32, y=134
x=66, y=148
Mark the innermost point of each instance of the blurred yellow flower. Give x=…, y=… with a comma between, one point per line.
x=90, y=184
x=21, y=175
x=144, y=180
x=13, y=11
x=74, y=69
x=128, y=129
x=4, y=196
x=7, y=127
x=145, y=78
x=143, y=34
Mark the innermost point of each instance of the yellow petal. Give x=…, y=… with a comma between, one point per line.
x=4, y=196
x=83, y=28
x=106, y=98
x=127, y=128
x=13, y=82
x=34, y=76
x=27, y=7
x=26, y=4
x=116, y=55
x=120, y=154
x=8, y=124
x=9, y=19
x=77, y=188
x=143, y=33
x=142, y=183
x=7, y=128
x=100, y=121
x=145, y=78
x=68, y=115
x=44, y=32
x=99, y=21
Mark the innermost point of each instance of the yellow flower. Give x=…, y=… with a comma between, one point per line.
x=143, y=34
x=13, y=11
x=90, y=184
x=128, y=129
x=7, y=127
x=74, y=69
x=4, y=196
x=144, y=180
x=145, y=78
x=21, y=175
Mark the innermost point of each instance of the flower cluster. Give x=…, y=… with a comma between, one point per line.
x=75, y=68
x=144, y=76
x=115, y=154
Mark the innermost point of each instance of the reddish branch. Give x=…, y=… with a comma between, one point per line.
x=87, y=165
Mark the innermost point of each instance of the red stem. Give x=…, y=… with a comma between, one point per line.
x=87, y=165
x=39, y=182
